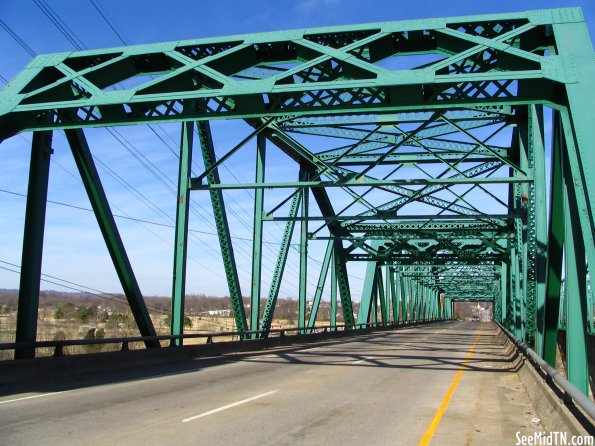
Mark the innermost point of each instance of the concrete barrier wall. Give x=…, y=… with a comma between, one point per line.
x=548, y=401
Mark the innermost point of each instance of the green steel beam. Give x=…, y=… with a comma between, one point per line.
x=269, y=308
x=576, y=293
x=225, y=244
x=555, y=246
x=572, y=41
x=382, y=297
x=361, y=183
x=258, y=235
x=404, y=299
x=369, y=291
x=539, y=212
x=39, y=170
x=105, y=219
x=333, y=315
x=320, y=285
x=339, y=258
x=181, y=232
x=303, y=279
x=395, y=293
x=527, y=145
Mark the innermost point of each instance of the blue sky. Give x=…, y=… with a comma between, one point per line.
x=73, y=249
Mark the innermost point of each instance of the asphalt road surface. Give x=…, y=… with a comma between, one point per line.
x=385, y=388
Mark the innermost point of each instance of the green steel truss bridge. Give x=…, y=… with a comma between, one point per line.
x=421, y=147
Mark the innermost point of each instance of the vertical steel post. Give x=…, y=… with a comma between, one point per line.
x=404, y=299
x=395, y=293
x=576, y=291
x=382, y=296
x=369, y=290
x=555, y=247
x=503, y=291
x=540, y=215
x=111, y=235
x=303, y=279
x=333, y=320
x=572, y=40
x=28, y=306
x=257, y=240
x=181, y=232
x=374, y=312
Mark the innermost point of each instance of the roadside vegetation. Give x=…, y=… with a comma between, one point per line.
x=65, y=315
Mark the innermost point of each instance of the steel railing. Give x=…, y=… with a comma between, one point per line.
x=570, y=391
x=59, y=345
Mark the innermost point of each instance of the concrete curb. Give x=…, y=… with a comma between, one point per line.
x=549, y=406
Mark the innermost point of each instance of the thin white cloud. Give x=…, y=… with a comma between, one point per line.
x=307, y=7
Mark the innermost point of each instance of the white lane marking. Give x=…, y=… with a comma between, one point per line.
x=363, y=360
x=229, y=406
x=32, y=396
x=258, y=358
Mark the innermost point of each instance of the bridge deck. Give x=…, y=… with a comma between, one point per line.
x=381, y=388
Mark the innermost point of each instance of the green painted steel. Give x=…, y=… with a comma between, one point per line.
x=576, y=293
x=303, y=279
x=257, y=241
x=105, y=219
x=555, y=247
x=278, y=73
x=231, y=272
x=39, y=170
x=420, y=147
x=320, y=285
x=333, y=315
x=181, y=233
x=269, y=308
x=369, y=291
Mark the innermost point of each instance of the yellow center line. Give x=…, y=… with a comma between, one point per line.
x=425, y=440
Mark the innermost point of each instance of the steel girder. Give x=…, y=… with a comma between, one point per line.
x=300, y=72
x=433, y=173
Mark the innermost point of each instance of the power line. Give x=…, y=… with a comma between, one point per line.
x=60, y=24
x=109, y=21
x=93, y=291
x=125, y=217
x=155, y=171
x=18, y=39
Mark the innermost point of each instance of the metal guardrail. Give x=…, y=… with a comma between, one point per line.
x=242, y=335
x=579, y=398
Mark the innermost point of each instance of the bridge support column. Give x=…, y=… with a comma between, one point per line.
x=576, y=276
x=555, y=247
x=370, y=290
x=181, y=232
x=303, y=279
x=257, y=241
x=28, y=306
x=269, y=308
x=382, y=295
x=503, y=292
x=222, y=225
x=404, y=298
x=320, y=286
x=395, y=294
x=111, y=235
